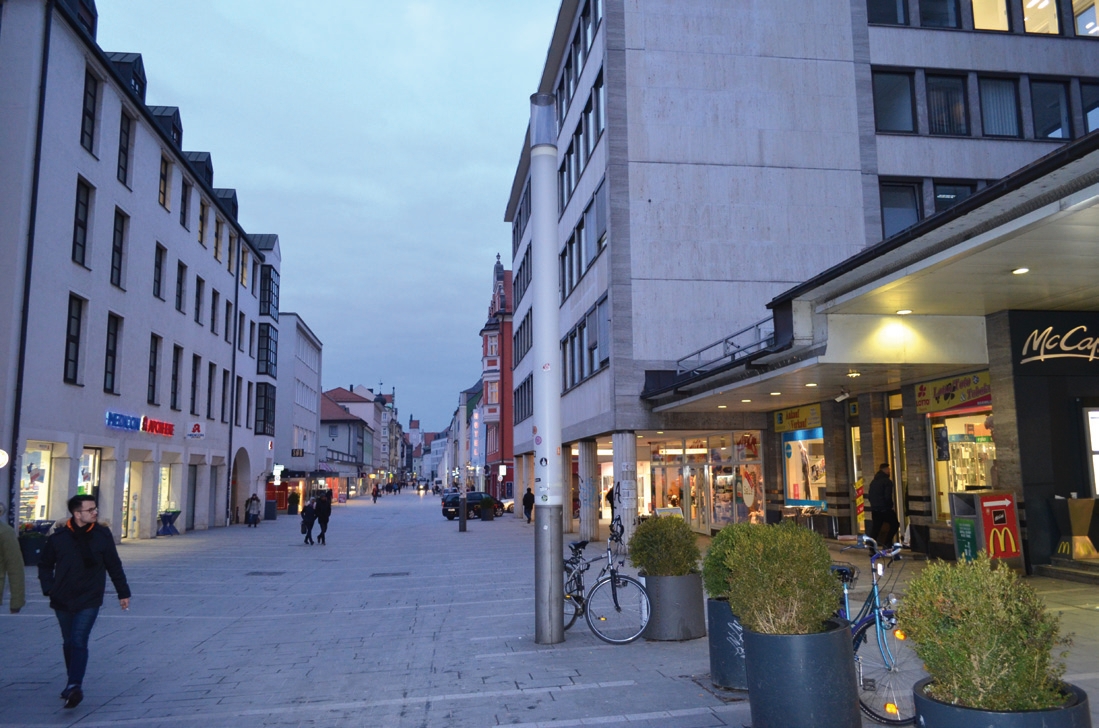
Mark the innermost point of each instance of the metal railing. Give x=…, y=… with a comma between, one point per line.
x=729, y=350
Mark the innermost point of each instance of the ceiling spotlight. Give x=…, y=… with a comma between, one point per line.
x=844, y=394
x=1020, y=271
x=904, y=312
x=775, y=394
x=660, y=432
x=722, y=406
x=811, y=384
x=745, y=400
x=854, y=373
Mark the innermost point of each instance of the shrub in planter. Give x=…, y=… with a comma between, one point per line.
x=665, y=551
x=985, y=637
x=723, y=628
x=800, y=663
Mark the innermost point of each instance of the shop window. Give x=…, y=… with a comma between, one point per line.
x=1091, y=424
x=1041, y=17
x=1049, y=100
x=164, y=490
x=999, y=107
x=887, y=12
x=900, y=208
x=948, y=194
x=1084, y=13
x=946, y=107
x=1089, y=93
x=990, y=15
x=804, y=467
x=940, y=14
x=88, y=483
x=965, y=456
x=893, y=107
x=34, y=482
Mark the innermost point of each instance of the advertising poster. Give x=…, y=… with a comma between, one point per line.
x=1001, y=527
x=804, y=467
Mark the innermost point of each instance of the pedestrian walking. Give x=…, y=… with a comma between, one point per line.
x=324, y=511
x=883, y=511
x=374, y=492
x=73, y=573
x=610, y=498
x=528, y=504
x=11, y=567
x=308, y=517
x=252, y=511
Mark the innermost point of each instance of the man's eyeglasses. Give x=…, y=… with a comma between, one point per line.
x=93, y=509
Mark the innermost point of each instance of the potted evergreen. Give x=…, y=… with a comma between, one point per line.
x=665, y=552
x=987, y=641
x=799, y=659
x=723, y=628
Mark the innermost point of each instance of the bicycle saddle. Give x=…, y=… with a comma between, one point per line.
x=577, y=545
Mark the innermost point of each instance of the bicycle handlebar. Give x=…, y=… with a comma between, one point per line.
x=876, y=552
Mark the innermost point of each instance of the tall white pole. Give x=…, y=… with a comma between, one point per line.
x=548, y=484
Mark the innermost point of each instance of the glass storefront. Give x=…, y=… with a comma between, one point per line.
x=34, y=482
x=89, y=472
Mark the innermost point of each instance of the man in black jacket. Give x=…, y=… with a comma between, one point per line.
x=73, y=572
x=324, y=512
x=883, y=512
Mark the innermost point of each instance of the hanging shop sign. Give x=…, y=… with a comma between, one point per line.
x=196, y=432
x=1054, y=342
x=798, y=418
x=119, y=421
x=942, y=395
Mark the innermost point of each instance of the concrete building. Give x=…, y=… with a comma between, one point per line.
x=138, y=329
x=710, y=158
x=298, y=411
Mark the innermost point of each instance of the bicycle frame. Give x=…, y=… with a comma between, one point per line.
x=872, y=609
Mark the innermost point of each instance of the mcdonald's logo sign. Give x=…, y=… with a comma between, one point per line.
x=1002, y=536
x=1064, y=548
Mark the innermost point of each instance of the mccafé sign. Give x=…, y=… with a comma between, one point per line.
x=120, y=421
x=1054, y=342
x=1048, y=343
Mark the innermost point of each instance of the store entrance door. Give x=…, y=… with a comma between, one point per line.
x=899, y=464
x=698, y=497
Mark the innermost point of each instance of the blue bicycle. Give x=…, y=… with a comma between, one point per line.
x=886, y=666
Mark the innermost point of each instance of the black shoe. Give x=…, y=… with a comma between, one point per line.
x=74, y=697
x=67, y=691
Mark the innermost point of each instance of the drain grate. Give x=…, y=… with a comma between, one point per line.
x=264, y=573
x=390, y=573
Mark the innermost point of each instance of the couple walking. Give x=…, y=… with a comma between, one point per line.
x=316, y=510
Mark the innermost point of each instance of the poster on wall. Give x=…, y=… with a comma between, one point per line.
x=804, y=468
x=34, y=483
x=964, y=392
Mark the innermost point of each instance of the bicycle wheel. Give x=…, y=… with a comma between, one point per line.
x=572, y=609
x=886, y=667
x=617, y=609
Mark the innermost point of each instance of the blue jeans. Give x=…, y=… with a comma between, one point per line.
x=76, y=628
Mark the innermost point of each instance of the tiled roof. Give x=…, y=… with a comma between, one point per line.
x=332, y=412
x=339, y=394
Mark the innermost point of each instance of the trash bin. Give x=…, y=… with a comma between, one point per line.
x=270, y=510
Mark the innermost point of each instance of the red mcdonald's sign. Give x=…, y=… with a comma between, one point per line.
x=1001, y=527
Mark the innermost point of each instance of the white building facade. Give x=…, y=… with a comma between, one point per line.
x=298, y=411
x=142, y=368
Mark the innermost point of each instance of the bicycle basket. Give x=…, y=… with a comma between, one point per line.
x=847, y=573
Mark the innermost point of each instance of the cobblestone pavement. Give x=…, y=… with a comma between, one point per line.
x=400, y=621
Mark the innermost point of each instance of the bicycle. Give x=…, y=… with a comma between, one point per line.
x=617, y=606
x=886, y=667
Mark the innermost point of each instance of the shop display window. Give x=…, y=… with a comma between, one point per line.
x=164, y=490
x=721, y=449
x=804, y=467
x=964, y=456
x=1091, y=424
x=89, y=471
x=34, y=482
x=695, y=451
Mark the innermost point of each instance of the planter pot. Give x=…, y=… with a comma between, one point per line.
x=678, y=612
x=726, y=634
x=803, y=679
x=31, y=547
x=487, y=514
x=930, y=713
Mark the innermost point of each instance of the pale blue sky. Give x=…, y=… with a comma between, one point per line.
x=378, y=140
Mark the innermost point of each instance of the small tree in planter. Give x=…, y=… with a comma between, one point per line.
x=723, y=627
x=665, y=551
x=987, y=641
x=800, y=662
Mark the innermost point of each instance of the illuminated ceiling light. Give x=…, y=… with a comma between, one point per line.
x=775, y=394
x=722, y=406
x=811, y=384
x=745, y=400
x=854, y=373
x=640, y=437
x=1020, y=271
x=660, y=432
x=904, y=312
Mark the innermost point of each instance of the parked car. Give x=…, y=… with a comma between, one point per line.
x=509, y=505
x=474, y=502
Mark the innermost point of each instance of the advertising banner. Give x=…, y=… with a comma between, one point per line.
x=798, y=418
x=943, y=395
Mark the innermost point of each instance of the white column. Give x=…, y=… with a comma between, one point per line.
x=589, y=490
x=625, y=480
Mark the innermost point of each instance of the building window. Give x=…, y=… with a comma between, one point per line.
x=87, y=121
x=1041, y=17
x=269, y=292
x=1089, y=93
x=492, y=393
x=248, y=406
x=333, y=431
x=225, y=395
x=232, y=253
x=158, y=271
x=265, y=409
x=1084, y=13
x=252, y=339
x=200, y=294
x=900, y=208
x=940, y=14
x=203, y=209
x=1049, y=100
x=118, y=247
x=244, y=268
x=80, y=222
x=946, y=109
x=523, y=399
x=165, y=182
x=240, y=331
x=177, y=361
x=181, y=287
x=110, y=358
x=211, y=379
x=493, y=348
x=229, y=322
x=72, y=339
x=948, y=194
x=999, y=107
x=522, y=339
x=125, y=124
x=154, y=366
x=236, y=401
x=990, y=15
x=215, y=309
x=887, y=12
x=185, y=205
x=196, y=367
x=893, y=107
x=268, y=350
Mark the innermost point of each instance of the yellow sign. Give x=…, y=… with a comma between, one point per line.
x=798, y=418
x=968, y=390
x=1002, y=534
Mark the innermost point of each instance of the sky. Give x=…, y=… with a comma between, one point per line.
x=378, y=139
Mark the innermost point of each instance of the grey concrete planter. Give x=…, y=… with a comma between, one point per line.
x=726, y=636
x=930, y=713
x=678, y=612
